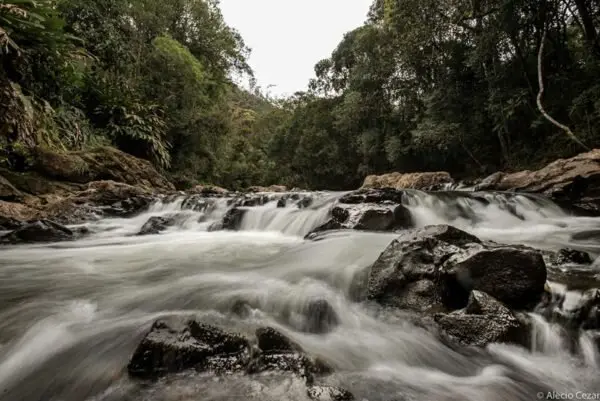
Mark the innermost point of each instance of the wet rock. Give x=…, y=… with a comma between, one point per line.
x=513, y=276
x=384, y=219
x=328, y=393
x=377, y=196
x=158, y=224
x=436, y=268
x=282, y=203
x=38, y=231
x=272, y=341
x=198, y=203
x=129, y=207
x=279, y=353
x=232, y=221
x=367, y=217
x=568, y=256
x=320, y=317
x=421, y=181
x=484, y=321
x=304, y=202
x=174, y=345
x=583, y=314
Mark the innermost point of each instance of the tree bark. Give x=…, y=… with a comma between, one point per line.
x=587, y=20
x=547, y=116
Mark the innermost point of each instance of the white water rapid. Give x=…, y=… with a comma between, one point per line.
x=72, y=313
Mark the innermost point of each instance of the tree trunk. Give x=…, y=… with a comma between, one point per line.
x=567, y=130
x=591, y=35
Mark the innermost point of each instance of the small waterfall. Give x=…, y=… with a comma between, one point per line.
x=291, y=219
x=547, y=338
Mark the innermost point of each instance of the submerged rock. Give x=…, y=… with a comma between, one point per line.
x=320, y=317
x=437, y=267
x=38, y=231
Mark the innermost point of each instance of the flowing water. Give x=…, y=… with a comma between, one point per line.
x=71, y=314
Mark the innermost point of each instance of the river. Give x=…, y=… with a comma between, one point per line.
x=71, y=314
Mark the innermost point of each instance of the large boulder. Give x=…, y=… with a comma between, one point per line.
x=483, y=321
x=177, y=344
x=367, y=217
x=103, y=163
x=572, y=182
x=368, y=210
x=174, y=345
x=38, y=231
x=436, y=268
x=423, y=181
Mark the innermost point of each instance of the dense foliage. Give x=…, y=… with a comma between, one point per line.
x=422, y=85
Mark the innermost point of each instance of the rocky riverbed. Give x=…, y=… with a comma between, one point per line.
x=121, y=290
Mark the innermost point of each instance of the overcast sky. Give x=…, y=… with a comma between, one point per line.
x=288, y=37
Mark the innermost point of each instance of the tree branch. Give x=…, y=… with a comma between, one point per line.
x=563, y=127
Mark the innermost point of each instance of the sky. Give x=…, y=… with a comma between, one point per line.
x=288, y=37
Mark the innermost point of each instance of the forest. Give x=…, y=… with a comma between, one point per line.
x=422, y=85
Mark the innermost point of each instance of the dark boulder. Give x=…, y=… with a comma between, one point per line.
x=367, y=217
x=373, y=196
x=384, y=219
x=158, y=224
x=438, y=266
x=38, y=231
x=272, y=341
x=174, y=345
x=484, y=321
x=512, y=275
x=281, y=203
x=177, y=344
x=328, y=393
x=232, y=221
x=279, y=353
x=568, y=256
x=305, y=202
